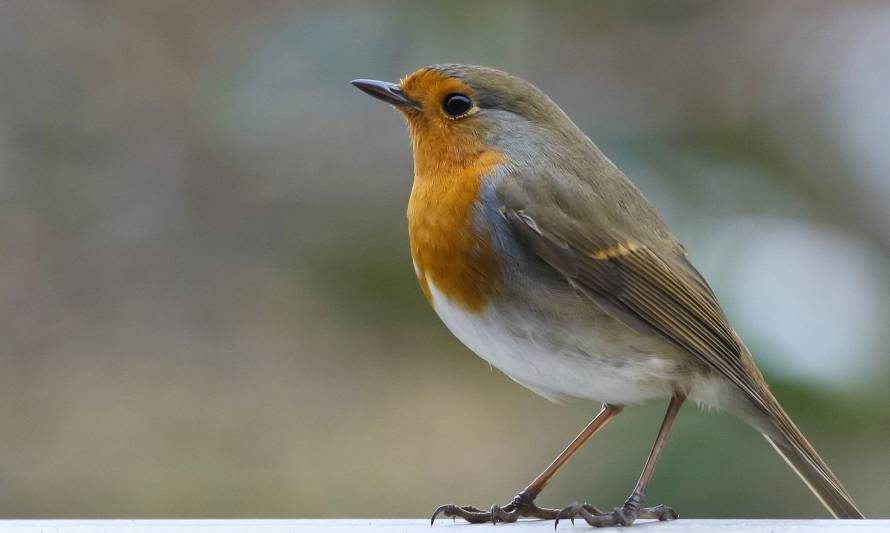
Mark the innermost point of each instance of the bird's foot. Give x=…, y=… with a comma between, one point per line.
x=621, y=516
x=522, y=505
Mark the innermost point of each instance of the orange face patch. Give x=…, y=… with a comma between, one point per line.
x=435, y=137
x=450, y=159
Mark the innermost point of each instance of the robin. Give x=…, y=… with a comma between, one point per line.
x=544, y=259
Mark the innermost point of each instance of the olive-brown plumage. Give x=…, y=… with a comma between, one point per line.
x=544, y=259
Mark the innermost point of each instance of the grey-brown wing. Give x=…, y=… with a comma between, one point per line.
x=663, y=295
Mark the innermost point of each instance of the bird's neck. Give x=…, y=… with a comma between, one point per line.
x=451, y=253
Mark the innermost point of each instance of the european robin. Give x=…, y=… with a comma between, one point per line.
x=543, y=258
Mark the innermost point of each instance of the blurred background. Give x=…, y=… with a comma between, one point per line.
x=209, y=309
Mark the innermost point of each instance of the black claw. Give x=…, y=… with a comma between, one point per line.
x=566, y=512
x=439, y=510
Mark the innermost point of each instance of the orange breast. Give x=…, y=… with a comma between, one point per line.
x=447, y=248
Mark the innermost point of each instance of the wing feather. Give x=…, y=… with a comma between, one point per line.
x=664, y=295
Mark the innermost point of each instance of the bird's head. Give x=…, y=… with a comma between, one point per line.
x=457, y=112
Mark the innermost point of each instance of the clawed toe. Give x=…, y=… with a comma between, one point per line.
x=471, y=514
x=621, y=516
x=474, y=515
x=659, y=512
x=582, y=510
x=521, y=506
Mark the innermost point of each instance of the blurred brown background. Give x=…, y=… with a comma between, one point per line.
x=208, y=307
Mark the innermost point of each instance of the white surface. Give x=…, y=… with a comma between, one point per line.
x=422, y=525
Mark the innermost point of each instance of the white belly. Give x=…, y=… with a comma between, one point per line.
x=560, y=361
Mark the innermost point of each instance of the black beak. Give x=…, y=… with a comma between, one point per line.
x=388, y=92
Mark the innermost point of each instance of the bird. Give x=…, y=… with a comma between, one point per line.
x=544, y=259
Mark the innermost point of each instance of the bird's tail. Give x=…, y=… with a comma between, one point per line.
x=803, y=458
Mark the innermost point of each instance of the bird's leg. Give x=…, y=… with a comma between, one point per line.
x=631, y=510
x=523, y=504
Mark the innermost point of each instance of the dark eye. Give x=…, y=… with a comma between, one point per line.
x=456, y=104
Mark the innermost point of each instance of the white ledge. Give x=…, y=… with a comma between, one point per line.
x=422, y=525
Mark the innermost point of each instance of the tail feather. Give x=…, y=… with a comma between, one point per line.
x=812, y=469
